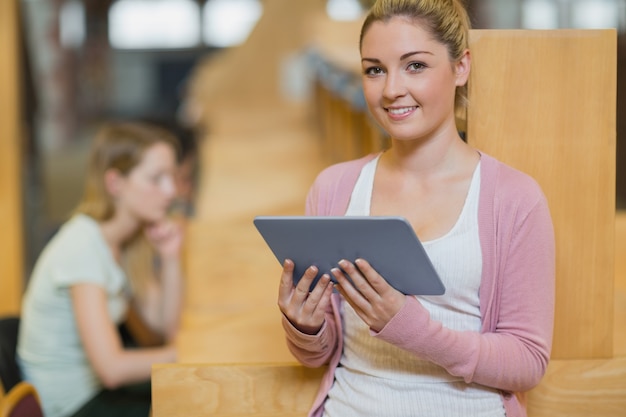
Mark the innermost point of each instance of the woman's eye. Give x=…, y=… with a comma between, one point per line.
x=155, y=179
x=373, y=71
x=416, y=66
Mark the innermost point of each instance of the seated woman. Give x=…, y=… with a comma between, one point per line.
x=118, y=252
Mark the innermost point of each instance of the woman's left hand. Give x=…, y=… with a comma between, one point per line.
x=373, y=299
x=166, y=237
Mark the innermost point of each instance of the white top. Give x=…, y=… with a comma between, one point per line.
x=50, y=352
x=375, y=378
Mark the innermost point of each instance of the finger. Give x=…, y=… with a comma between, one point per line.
x=326, y=296
x=350, y=300
x=319, y=312
x=341, y=278
x=374, y=279
x=347, y=288
x=159, y=231
x=316, y=296
x=286, y=280
x=303, y=286
x=359, y=283
x=313, y=313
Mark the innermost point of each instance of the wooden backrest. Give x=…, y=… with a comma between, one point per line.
x=233, y=390
x=545, y=103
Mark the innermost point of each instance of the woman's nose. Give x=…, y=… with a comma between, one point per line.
x=169, y=187
x=394, y=86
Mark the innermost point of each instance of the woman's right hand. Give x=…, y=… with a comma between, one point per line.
x=305, y=310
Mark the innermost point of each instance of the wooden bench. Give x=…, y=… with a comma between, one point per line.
x=580, y=388
x=233, y=390
x=572, y=388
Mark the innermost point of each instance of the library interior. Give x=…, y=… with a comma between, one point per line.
x=265, y=94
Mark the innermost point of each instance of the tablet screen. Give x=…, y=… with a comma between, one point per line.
x=388, y=243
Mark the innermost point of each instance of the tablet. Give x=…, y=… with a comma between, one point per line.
x=389, y=244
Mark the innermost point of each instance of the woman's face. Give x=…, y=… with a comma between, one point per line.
x=408, y=80
x=149, y=188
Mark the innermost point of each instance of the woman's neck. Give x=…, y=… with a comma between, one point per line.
x=428, y=158
x=117, y=231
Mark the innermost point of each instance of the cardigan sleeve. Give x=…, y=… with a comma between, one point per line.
x=313, y=350
x=513, y=356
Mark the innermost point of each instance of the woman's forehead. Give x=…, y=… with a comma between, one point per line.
x=398, y=35
x=157, y=154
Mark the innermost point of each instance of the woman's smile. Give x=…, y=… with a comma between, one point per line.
x=398, y=113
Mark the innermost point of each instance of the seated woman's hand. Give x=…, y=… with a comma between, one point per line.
x=166, y=237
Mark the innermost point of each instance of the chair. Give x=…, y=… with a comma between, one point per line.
x=20, y=397
x=21, y=401
x=9, y=370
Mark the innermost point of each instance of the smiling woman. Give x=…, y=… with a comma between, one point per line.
x=466, y=352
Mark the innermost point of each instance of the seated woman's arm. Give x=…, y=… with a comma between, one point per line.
x=114, y=365
x=161, y=305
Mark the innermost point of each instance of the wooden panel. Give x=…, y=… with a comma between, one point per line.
x=262, y=390
x=581, y=388
x=263, y=166
x=11, y=251
x=619, y=342
x=237, y=334
x=570, y=388
x=535, y=106
x=620, y=250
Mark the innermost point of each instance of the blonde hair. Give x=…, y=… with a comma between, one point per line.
x=121, y=146
x=446, y=20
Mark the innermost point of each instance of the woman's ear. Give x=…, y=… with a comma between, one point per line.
x=462, y=68
x=113, y=181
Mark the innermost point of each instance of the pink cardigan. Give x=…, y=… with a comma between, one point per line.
x=512, y=350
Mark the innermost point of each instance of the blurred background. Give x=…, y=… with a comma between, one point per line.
x=86, y=61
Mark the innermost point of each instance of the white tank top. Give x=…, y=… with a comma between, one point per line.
x=375, y=378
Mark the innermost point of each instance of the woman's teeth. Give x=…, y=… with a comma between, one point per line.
x=401, y=110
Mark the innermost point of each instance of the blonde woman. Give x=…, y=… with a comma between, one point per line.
x=117, y=253
x=486, y=227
